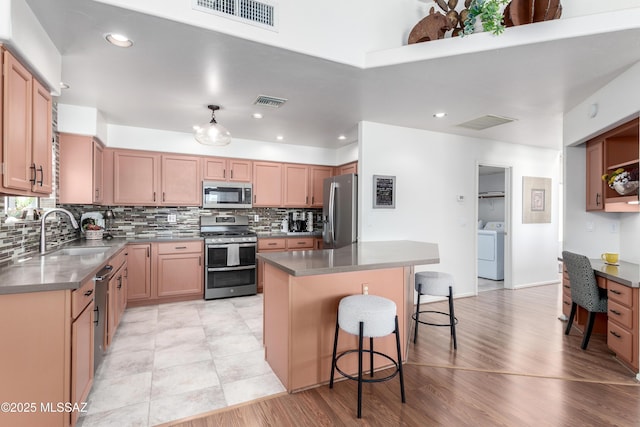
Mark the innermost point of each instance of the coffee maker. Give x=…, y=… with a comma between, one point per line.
x=297, y=223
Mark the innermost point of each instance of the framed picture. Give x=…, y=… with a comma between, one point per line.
x=536, y=200
x=384, y=191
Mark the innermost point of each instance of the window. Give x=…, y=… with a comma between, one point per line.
x=17, y=207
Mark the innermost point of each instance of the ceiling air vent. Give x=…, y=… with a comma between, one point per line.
x=260, y=13
x=485, y=122
x=269, y=101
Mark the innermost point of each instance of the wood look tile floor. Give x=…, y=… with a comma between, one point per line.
x=171, y=361
x=513, y=367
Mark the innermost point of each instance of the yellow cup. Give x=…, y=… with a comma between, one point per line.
x=610, y=257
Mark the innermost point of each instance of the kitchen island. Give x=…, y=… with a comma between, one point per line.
x=302, y=291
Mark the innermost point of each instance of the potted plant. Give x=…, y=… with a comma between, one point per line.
x=624, y=182
x=489, y=13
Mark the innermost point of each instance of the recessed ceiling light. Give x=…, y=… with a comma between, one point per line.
x=439, y=115
x=64, y=85
x=118, y=40
x=257, y=115
x=279, y=137
x=342, y=137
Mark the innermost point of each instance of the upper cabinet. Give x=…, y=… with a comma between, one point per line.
x=303, y=185
x=222, y=169
x=317, y=175
x=26, y=131
x=267, y=184
x=81, y=170
x=153, y=179
x=346, y=168
x=617, y=148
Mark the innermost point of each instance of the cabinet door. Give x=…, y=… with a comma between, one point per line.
x=179, y=274
x=181, y=184
x=122, y=290
x=595, y=166
x=267, y=184
x=316, y=181
x=82, y=336
x=41, y=139
x=139, y=272
x=296, y=185
x=215, y=168
x=135, y=178
x=97, y=176
x=347, y=168
x=76, y=169
x=17, y=114
x=240, y=170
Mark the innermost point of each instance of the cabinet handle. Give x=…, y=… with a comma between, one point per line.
x=148, y=254
x=313, y=200
x=97, y=194
x=200, y=261
x=306, y=200
x=597, y=199
x=154, y=196
x=231, y=173
x=181, y=247
x=301, y=243
x=96, y=318
x=163, y=196
x=271, y=244
x=567, y=286
x=89, y=292
x=119, y=282
x=617, y=313
x=254, y=198
x=224, y=173
x=613, y=291
x=33, y=174
x=615, y=334
x=126, y=273
x=41, y=170
x=566, y=303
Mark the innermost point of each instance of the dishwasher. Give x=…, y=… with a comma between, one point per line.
x=100, y=318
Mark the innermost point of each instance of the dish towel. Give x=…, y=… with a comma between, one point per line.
x=233, y=254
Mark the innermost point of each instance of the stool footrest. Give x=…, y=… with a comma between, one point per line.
x=413, y=316
x=368, y=380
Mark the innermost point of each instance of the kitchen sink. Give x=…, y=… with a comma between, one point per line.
x=83, y=251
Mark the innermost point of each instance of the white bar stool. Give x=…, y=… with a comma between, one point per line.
x=437, y=284
x=367, y=316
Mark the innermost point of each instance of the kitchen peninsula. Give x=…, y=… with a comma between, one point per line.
x=302, y=291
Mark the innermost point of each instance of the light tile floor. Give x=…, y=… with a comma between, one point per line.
x=172, y=361
x=489, y=285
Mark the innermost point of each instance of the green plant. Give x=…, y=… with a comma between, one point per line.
x=620, y=176
x=489, y=12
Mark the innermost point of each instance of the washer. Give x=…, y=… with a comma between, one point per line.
x=491, y=251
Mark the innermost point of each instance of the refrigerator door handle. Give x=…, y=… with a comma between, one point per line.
x=332, y=211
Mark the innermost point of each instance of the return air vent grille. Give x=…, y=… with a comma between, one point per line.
x=269, y=101
x=485, y=122
x=249, y=11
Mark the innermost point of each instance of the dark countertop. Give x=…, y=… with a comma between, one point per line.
x=59, y=271
x=357, y=257
x=626, y=273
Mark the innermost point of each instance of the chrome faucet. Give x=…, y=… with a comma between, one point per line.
x=43, y=238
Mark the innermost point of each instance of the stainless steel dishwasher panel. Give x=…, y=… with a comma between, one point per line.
x=100, y=319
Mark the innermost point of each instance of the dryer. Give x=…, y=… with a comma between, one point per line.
x=491, y=251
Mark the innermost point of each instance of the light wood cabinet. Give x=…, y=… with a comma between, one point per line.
x=346, y=168
x=154, y=179
x=82, y=369
x=179, y=269
x=296, y=185
x=116, y=290
x=580, y=321
x=165, y=272
x=280, y=244
x=595, y=185
x=267, y=184
x=26, y=131
x=139, y=272
x=180, y=180
x=300, y=244
x=223, y=169
x=317, y=176
x=81, y=170
x=617, y=148
x=622, y=337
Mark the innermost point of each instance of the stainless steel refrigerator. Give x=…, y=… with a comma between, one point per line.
x=340, y=211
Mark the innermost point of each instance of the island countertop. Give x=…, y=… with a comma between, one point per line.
x=356, y=257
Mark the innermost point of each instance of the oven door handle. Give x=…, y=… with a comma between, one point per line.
x=242, y=267
x=226, y=245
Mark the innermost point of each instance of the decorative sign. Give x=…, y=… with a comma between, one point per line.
x=536, y=200
x=384, y=191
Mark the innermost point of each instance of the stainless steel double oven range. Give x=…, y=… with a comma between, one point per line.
x=230, y=256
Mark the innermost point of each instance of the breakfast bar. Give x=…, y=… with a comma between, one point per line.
x=302, y=290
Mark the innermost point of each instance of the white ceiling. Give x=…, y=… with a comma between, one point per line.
x=163, y=81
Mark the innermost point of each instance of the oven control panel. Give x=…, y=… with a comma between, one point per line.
x=227, y=239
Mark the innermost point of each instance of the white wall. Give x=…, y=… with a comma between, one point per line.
x=592, y=233
x=431, y=170
x=573, y=8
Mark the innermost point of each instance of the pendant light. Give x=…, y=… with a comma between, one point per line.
x=212, y=133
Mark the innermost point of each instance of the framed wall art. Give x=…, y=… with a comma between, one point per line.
x=384, y=191
x=536, y=200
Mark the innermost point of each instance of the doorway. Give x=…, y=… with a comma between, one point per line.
x=493, y=213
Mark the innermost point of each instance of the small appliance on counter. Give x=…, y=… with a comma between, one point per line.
x=297, y=223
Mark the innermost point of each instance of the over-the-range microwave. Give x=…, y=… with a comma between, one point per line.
x=221, y=194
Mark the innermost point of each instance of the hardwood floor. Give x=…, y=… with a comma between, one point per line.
x=514, y=367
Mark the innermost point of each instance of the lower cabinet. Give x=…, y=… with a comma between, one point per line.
x=165, y=272
x=280, y=244
x=116, y=295
x=623, y=323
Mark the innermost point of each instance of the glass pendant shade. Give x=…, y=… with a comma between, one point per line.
x=212, y=133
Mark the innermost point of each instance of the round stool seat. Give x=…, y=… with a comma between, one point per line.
x=377, y=313
x=434, y=283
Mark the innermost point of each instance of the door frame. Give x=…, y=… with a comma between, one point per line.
x=508, y=173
